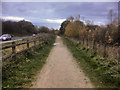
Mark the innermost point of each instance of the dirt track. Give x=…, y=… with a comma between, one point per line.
x=61, y=70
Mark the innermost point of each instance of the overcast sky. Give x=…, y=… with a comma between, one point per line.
x=52, y=14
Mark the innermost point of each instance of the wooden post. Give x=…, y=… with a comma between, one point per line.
x=104, y=55
x=98, y=47
x=39, y=41
x=34, y=42
x=118, y=54
x=27, y=43
x=94, y=45
x=43, y=41
x=87, y=43
x=13, y=47
x=14, y=51
x=83, y=41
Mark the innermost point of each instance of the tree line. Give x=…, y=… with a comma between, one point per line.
x=22, y=28
x=105, y=34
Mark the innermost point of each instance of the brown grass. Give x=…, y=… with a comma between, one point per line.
x=7, y=52
x=112, y=52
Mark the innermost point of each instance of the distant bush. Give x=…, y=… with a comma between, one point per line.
x=63, y=26
x=73, y=29
x=43, y=29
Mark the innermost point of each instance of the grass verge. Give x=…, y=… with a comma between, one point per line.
x=102, y=72
x=20, y=72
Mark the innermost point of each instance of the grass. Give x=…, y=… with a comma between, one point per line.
x=20, y=73
x=102, y=72
x=6, y=52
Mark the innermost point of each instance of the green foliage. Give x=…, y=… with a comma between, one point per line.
x=19, y=72
x=102, y=72
x=43, y=29
x=63, y=26
x=18, y=28
x=106, y=34
x=73, y=29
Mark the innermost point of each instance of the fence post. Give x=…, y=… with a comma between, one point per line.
x=34, y=42
x=27, y=43
x=14, y=51
x=39, y=41
x=94, y=45
x=119, y=54
x=104, y=55
x=83, y=41
x=13, y=47
x=43, y=41
x=98, y=47
x=87, y=43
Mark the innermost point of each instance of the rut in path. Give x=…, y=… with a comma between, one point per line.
x=61, y=70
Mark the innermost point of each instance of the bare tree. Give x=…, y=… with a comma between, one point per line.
x=78, y=17
x=111, y=16
x=71, y=19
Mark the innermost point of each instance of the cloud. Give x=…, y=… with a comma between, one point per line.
x=52, y=14
x=99, y=23
x=55, y=20
x=14, y=18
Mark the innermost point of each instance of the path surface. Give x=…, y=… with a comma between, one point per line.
x=61, y=70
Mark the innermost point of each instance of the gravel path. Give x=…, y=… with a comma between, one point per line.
x=61, y=70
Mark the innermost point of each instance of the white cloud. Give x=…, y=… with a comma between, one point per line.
x=55, y=20
x=14, y=18
x=100, y=23
x=83, y=21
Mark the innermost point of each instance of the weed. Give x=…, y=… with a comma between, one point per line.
x=19, y=73
x=102, y=72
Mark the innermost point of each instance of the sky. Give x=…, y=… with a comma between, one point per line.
x=52, y=14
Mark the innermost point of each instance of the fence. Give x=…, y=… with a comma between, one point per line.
x=37, y=41
x=111, y=52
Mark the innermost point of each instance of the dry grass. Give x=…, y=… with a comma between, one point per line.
x=103, y=72
x=112, y=52
x=21, y=47
x=20, y=72
x=7, y=52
